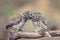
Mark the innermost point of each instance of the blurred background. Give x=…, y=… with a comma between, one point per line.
x=49, y=8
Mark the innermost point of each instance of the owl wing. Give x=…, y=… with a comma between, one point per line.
x=14, y=20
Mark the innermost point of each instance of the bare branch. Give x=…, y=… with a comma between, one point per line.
x=55, y=33
x=33, y=35
x=27, y=35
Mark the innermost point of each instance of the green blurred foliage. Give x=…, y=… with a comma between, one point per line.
x=8, y=10
x=9, y=6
